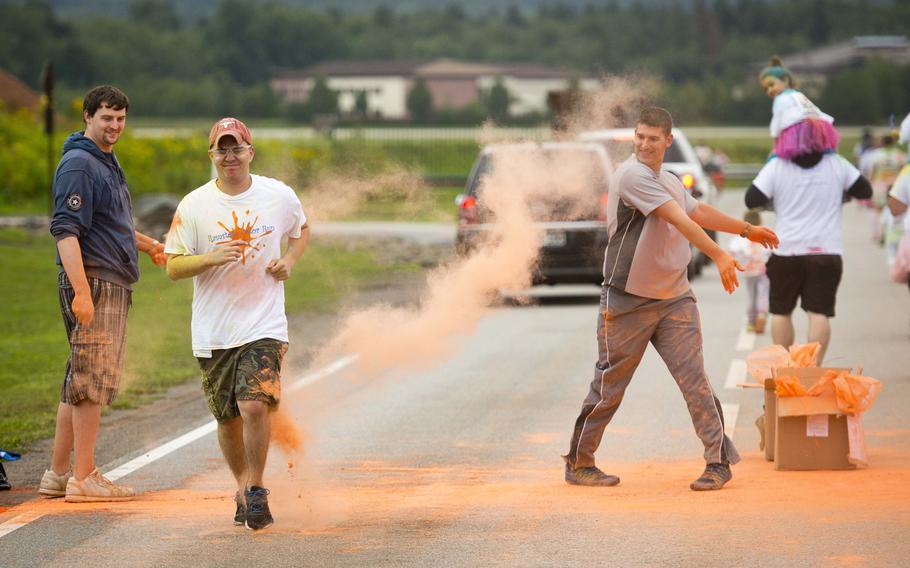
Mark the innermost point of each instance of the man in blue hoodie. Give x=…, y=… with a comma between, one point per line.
x=97, y=250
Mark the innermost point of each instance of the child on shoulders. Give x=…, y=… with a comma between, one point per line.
x=798, y=126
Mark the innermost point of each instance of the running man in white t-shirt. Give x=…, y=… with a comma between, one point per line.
x=807, y=194
x=227, y=235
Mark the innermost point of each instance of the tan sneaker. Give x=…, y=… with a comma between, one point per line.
x=53, y=485
x=760, y=320
x=94, y=488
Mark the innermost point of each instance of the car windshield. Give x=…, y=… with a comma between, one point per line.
x=564, y=183
x=619, y=150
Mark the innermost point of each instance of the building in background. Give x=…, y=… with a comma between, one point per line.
x=453, y=84
x=14, y=94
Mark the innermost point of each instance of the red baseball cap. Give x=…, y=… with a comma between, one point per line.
x=230, y=127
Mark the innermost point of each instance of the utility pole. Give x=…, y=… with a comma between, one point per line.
x=47, y=80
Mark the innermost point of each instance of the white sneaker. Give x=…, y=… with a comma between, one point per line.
x=53, y=485
x=94, y=488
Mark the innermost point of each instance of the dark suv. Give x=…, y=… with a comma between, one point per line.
x=575, y=234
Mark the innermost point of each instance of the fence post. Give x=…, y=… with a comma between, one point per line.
x=47, y=81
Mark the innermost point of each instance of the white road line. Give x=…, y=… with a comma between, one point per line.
x=161, y=451
x=745, y=341
x=190, y=437
x=332, y=367
x=27, y=517
x=736, y=373
x=731, y=413
x=18, y=521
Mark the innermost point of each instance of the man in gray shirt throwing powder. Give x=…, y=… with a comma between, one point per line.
x=646, y=298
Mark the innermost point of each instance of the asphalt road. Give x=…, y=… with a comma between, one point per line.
x=458, y=464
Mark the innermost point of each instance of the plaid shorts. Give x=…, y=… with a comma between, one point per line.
x=95, y=363
x=249, y=372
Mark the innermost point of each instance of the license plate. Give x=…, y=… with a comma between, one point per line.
x=554, y=239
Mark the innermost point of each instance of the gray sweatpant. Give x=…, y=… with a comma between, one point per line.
x=625, y=326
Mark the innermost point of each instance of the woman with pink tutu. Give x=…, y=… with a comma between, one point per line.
x=798, y=126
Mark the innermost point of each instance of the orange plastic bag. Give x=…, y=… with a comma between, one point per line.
x=805, y=355
x=760, y=362
x=854, y=393
x=824, y=385
x=789, y=386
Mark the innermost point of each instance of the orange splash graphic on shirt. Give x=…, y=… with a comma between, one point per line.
x=243, y=233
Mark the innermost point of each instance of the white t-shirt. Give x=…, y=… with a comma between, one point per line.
x=646, y=256
x=238, y=302
x=751, y=255
x=808, y=203
x=905, y=130
x=901, y=191
x=790, y=107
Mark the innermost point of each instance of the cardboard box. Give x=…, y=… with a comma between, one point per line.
x=770, y=418
x=809, y=432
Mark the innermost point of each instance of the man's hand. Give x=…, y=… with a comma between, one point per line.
x=83, y=308
x=280, y=269
x=228, y=252
x=156, y=253
x=727, y=267
x=763, y=236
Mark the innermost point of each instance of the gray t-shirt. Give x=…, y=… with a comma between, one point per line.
x=646, y=256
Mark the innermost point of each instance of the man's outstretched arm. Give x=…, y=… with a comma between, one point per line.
x=151, y=247
x=727, y=266
x=712, y=218
x=186, y=266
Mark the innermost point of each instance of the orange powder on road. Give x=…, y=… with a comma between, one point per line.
x=285, y=433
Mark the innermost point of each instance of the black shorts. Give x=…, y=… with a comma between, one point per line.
x=812, y=278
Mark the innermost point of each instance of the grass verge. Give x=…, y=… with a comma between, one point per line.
x=158, y=355
x=438, y=207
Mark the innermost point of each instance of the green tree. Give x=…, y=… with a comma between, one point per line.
x=881, y=86
x=497, y=101
x=158, y=14
x=361, y=104
x=820, y=32
x=420, y=101
x=322, y=100
x=236, y=46
x=514, y=17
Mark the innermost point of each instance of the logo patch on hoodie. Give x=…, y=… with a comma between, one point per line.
x=74, y=202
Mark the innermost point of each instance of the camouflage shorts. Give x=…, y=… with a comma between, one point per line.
x=248, y=372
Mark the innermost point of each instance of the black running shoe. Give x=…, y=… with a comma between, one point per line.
x=589, y=476
x=714, y=477
x=4, y=482
x=240, y=513
x=258, y=515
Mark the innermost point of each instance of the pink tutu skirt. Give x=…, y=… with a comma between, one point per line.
x=805, y=137
x=900, y=270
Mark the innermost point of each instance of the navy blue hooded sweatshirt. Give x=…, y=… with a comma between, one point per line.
x=92, y=203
